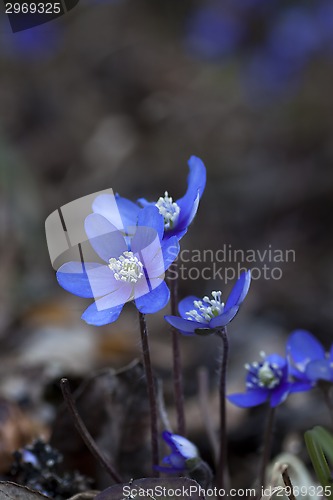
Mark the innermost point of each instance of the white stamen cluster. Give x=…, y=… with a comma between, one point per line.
x=127, y=268
x=265, y=375
x=204, y=313
x=169, y=209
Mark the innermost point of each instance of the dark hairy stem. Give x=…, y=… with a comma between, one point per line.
x=177, y=362
x=288, y=484
x=222, y=470
x=151, y=392
x=84, y=433
x=268, y=438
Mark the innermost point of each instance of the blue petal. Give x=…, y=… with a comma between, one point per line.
x=331, y=353
x=184, y=325
x=187, y=305
x=301, y=386
x=303, y=347
x=185, y=448
x=170, y=249
x=96, y=317
x=144, y=203
x=196, y=182
x=150, y=217
x=153, y=301
x=279, y=394
x=117, y=210
x=106, y=239
x=250, y=398
x=146, y=246
x=224, y=318
x=73, y=277
x=319, y=369
x=239, y=291
x=129, y=211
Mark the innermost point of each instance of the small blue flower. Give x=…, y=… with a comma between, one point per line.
x=266, y=380
x=208, y=315
x=307, y=358
x=177, y=215
x=133, y=268
x=183, y=453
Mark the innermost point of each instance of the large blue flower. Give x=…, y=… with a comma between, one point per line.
x=266, y=380
x=133, y=267
x=182, y=451
x=307, y=358
x=208, y=315
x=177, y=215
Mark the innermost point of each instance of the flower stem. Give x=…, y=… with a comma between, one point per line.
x=84, y=433
x=222, y=471
x=151, y=392
x=268, y=438
x=177, y=362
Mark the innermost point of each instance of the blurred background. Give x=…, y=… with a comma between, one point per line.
x=119, y=94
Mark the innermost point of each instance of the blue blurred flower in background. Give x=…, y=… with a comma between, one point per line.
x=208, y=315
x=265, y=380
x=39, y=42
x=213, y=32
x=307, y=358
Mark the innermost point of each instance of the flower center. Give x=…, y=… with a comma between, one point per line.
x=127, y=268
x=206, y=309
x=169, y=209
x=266, y=375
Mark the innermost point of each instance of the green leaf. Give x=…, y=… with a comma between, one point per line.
x=318, y=459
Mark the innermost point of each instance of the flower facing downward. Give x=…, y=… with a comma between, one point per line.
x=184, y=454
x=308, y=360
x=265, y=380
x=204, y=316
x=133, y=268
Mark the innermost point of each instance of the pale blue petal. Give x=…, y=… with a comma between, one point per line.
x=319, y=369
x=153, y=301
x=253, y=397
x=239, y=291
x=106, y=239
x=303, y=347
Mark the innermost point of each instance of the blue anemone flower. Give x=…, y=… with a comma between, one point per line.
x=177, y=215
x=266, y=380
x=183, y=453
x=307, y=358
x=133, y=268
x=208, y=315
